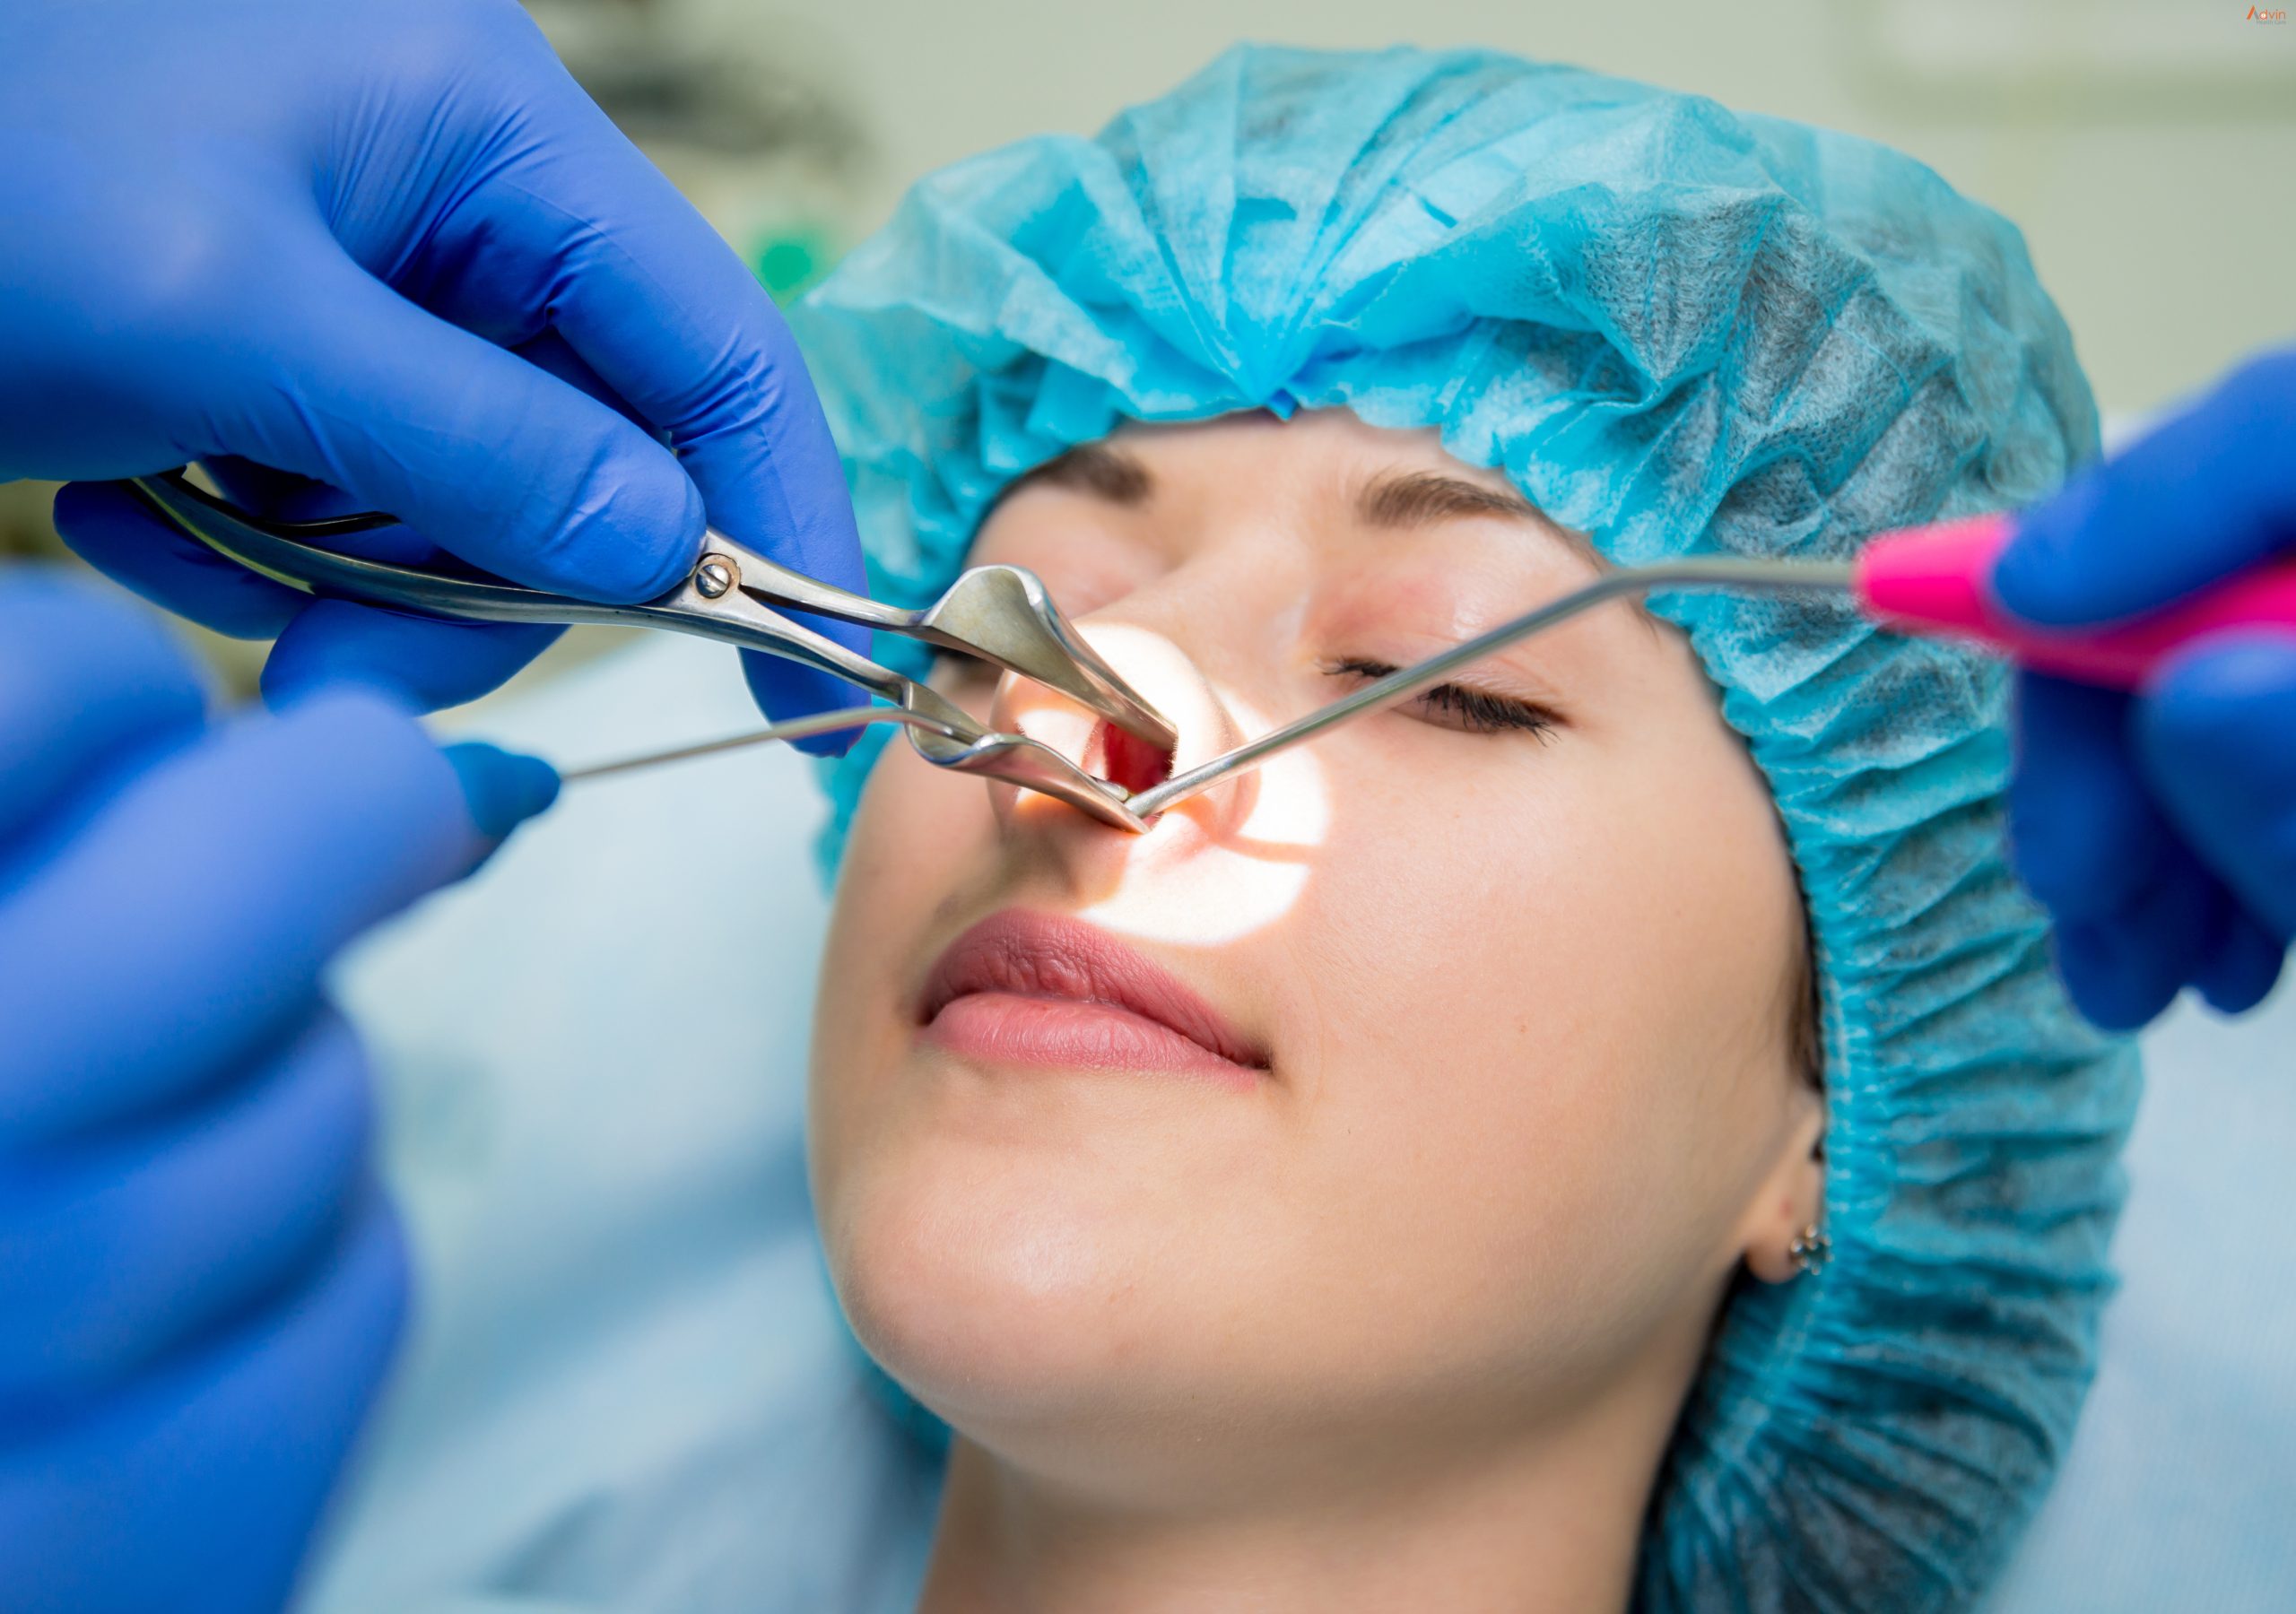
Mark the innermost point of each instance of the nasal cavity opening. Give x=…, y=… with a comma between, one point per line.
x=1127, y=762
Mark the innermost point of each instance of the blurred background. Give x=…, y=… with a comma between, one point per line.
x=2147, y=147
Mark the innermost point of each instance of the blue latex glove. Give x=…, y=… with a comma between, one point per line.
x=199, y=1285
x=2160, y=829
x=389, y=246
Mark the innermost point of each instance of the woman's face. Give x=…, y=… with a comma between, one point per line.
x=1426, y=1086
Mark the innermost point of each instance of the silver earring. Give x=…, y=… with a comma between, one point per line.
x=1811, y=1250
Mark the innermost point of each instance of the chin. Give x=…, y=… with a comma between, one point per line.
x=1088, y=1356
x=994, y=1295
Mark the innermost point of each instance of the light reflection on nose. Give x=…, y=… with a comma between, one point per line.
x=1218, y=866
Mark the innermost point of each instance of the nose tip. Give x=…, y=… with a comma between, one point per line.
x=1160, y=672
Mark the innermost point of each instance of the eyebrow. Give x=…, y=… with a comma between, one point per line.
x=1408, y=499
x=1095, y=468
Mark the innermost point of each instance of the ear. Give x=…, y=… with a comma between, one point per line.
x=1791, y=1197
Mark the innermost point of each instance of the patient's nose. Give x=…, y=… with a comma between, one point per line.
x=1161, y=673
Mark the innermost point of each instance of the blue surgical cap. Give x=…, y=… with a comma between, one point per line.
x=1677, y=330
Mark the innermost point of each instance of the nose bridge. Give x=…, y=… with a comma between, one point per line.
x=1224, y=607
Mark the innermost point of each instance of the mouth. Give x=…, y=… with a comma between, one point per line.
x=1023, y=988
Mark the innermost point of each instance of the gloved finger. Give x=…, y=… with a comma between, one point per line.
x=282, y=495
x=2212, y=733
x=473, y=447
x=210, y=892
x=84, y=681
x=107, y=526
x=429, y=662
x=552, y=353
x=2243, y=965
x=2108, y=974
x=425, y=663
x=2084, y=835
x=2123, y=969
x=285, y=496
x=123, y=1249
x=664, y=313
x=2204, y=496
x=212, y=1471
x=502, y=789
x=653, y=302
x=782, y=688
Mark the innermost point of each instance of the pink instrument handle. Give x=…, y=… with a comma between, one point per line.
x=1934, y=580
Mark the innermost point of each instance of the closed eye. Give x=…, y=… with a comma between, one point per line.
x=1458, y=706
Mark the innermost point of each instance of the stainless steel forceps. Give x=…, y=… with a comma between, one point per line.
x=999, y=613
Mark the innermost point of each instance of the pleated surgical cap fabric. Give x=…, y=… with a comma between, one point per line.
x=1676, y=329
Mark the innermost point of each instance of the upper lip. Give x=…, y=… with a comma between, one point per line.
x=1043, y=955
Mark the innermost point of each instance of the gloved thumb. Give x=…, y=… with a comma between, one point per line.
x=483, y=453
x=2215, y=735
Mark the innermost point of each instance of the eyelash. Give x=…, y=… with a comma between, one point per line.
x=1470, y=711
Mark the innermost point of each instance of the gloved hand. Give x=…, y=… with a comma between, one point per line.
x=387, y=245
x=2160, y=829
x=199, y=1285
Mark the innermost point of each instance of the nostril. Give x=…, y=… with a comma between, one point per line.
x=1129, y=762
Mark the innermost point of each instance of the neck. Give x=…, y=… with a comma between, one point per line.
x=1549, y=1523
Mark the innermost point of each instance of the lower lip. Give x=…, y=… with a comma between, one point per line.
x=1049, y=1033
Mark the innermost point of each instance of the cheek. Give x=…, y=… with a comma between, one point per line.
x=1470, y=910
x=1475, y=1008
x=1537, y=1021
